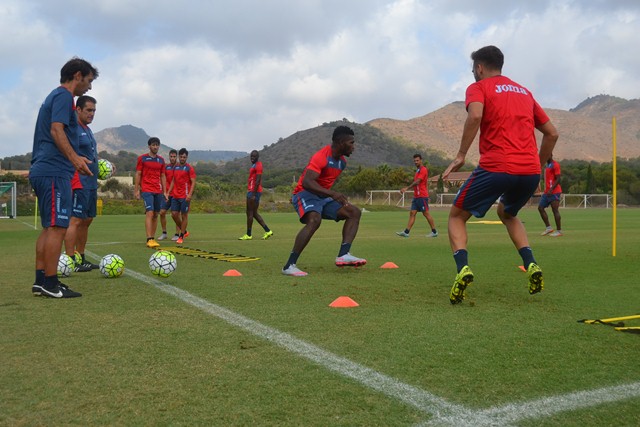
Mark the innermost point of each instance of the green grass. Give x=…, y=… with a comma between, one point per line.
x=127, y=353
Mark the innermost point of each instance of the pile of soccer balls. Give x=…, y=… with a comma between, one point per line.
x=161, y=263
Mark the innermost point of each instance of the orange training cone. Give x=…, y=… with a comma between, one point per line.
x=343, y=302
x=389, y=265
x=232, y=273
x=521, y=267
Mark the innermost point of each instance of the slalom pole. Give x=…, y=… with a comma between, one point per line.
x=615, y=193
x=35, y=216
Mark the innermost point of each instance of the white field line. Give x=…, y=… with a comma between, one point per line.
x=443, y=412
x=413, y=396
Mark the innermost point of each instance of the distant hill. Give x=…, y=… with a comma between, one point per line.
x=372, y=148
x=585, y=134
x=133, y=139
x=585, y=131
x=124, y=138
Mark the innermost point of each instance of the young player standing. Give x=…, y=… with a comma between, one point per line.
x=166, y=206
x=150, y=184
x=181, y=190
x=254, y=192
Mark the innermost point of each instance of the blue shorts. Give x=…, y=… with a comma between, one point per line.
x=166, y=204
x=84, y=203
x=547, y=199
x=54, y=200
x=306, y=201
x=482, y=189
x=420, y=204
x=256, y=199
x=180, y=205
x=152, y=201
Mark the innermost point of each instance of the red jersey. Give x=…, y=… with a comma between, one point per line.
x=551, y=174
x=168, y=172
x=420, y=190
x=254, y=171
x=152, y=168
x=328, y=168
x=509, y=119
x=182, y=176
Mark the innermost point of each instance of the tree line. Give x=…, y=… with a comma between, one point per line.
x=578, y=176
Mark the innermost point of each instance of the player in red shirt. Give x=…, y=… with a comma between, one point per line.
x=254, y=193
x=166, y=205
x=181, y=190
x=314, y=200
x=551, y=196
x=151, y=184
x=509, y=169
x=420, y=202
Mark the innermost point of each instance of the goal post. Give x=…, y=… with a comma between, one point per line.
x=8, y=199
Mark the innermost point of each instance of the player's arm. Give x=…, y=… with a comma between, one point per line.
x=556, y=182
x=310, y=183
x=193, y=186
x=410, y=186
x=549, y=138
x=62, y=142
x=469, y=132
x=163, y=184
x=170, y=190
x=136, y=184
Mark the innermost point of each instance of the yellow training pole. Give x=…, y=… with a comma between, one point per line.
x=35, y=216
x=615, y=197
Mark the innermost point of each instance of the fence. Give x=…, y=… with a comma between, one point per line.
x=388, y=197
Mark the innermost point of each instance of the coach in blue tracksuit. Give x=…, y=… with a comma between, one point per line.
x=54, y=161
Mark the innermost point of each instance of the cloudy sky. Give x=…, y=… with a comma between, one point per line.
x=239, y=74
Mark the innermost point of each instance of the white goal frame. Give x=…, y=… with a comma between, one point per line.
x=8, y=208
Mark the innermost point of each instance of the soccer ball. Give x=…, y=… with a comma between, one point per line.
x=105, y=169
x=65, y=265
x=111, y=266
x=163, y=263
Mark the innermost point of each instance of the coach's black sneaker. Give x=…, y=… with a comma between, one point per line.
x=59, y=291
x=90, y=265
x=35, y=290
x=81, y=268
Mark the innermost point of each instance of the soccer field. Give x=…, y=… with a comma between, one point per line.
x=200, y=348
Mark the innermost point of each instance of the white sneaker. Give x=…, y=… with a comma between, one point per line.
x=547, y=231
x=348, y=260
x=557, y=233
x=175, y=237
x=432, y=234
x=162, y=236
x=293, y=271
x=402, y=234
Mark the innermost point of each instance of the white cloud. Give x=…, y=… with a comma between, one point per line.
x=239, y=74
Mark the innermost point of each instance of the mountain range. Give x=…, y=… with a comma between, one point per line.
x=134, y=139
x=585, y=134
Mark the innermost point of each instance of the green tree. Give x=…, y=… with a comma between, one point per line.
x=366, y=179
x=590, y=187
